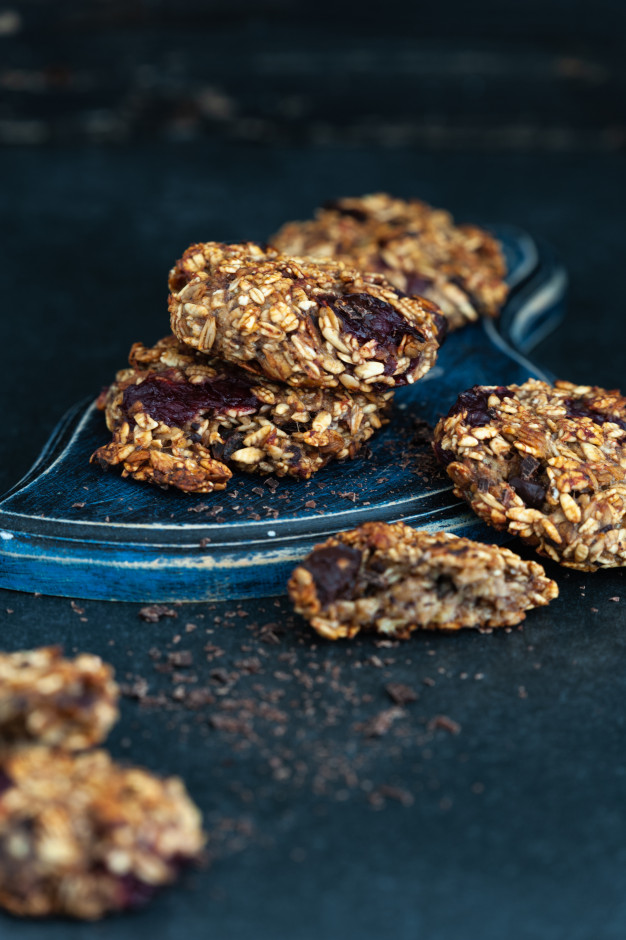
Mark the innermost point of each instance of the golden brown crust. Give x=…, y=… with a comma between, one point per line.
x=81, y=836
x=419, y=250
x=393, y=579
x=305, y=323
x=548, y=463
x=44, y=698
x=270, y=428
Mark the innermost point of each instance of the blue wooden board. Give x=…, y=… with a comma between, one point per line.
x=70, y=529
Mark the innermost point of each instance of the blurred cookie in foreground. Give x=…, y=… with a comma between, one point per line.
x=306, y=323
x=45, y=698
x=181, y=419
x=419, y=250
x=393, y=580
x=546, y=462
x=81, y=836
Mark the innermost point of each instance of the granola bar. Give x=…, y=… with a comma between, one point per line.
x=546, y=462
x=419, y=250
x=181, y=419
x=392, y=579
x=70, y=703
x=81, y=836
x=306, y=323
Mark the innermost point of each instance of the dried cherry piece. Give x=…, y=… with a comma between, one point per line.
x=443, y=456
x=577, y=409
x=368, y=317
x=441, y=325
x=416, y=284
x=175, y=401
x=334, y=570
x=5, y=781
x=474, y=402
x=135, y=893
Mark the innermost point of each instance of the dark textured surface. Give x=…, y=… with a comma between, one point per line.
x=515, y=826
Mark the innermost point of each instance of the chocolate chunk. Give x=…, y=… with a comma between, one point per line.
x=334, y=570
x=231, y=442
x=528, y=467
x=533, y=494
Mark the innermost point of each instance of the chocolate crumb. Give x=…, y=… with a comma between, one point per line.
x=396, y=793
x=380, y=724
x=444, y=723
x=155, y=612
x=401, y=694
x=180, y=658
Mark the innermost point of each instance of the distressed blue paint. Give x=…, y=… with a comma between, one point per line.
x=133, y=542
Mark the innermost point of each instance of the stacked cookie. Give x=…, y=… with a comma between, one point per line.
x=277, y=364
x=419, y=249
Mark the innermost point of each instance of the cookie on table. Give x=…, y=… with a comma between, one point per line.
x=181, y=419
x=45, y=698
x=81, y=836
x=302, y=322
x=546, y=462
x=393, y=580
x=419, y=250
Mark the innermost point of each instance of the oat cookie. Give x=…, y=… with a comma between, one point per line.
x=419, y=250
x=181, y=419
x=81, y=836
x=44, y=698
x=393, y=579
x=548, y=463
x=302, y=322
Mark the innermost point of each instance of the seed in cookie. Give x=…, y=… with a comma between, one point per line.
x=392, y=579
x=81, y=836
x=44, y=698
x=419, y=250
x=181, y=419
x=546, y=462
x=307, y=323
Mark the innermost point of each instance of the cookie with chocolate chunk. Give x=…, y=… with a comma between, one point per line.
x=81, y=836
x=306, y=323
x=181, y=419
x=419, y=250
x=392, y=580
x=546, y=462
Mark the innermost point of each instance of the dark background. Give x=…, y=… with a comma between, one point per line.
x=129, y=130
